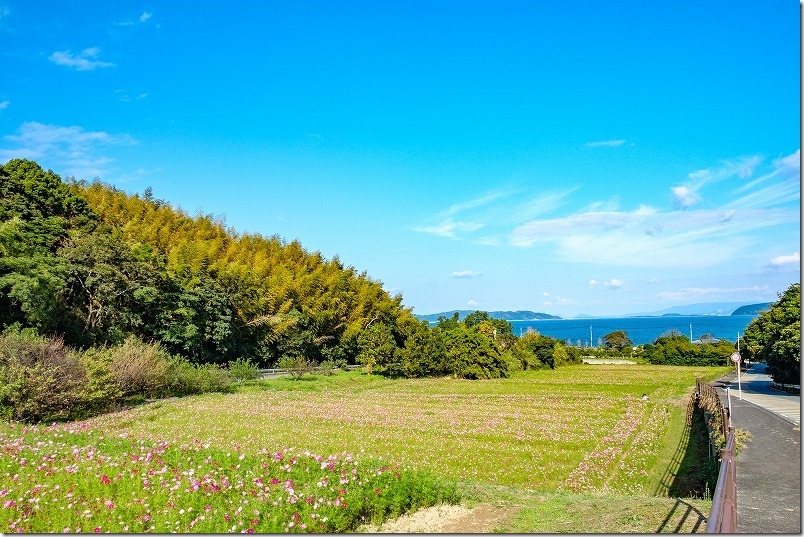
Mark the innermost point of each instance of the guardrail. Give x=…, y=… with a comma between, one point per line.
x=723, y=516
x=276, y=371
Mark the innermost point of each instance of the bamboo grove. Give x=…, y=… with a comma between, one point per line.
x=93, y=264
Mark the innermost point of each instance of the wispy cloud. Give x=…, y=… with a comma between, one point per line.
x=86, y=60
x=493, y=210
x=145, y=17
x=70, y=150
x=647, y=237
x=686, y=195
x=466, y=274
x=606, y=143
x=781, y=185
x=688, y=294
x=126, y=98
x=4, y=104
x=449, y=229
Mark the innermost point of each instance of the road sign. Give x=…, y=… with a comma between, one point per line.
x=735, y=357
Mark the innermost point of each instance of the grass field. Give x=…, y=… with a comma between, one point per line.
x=574, y=441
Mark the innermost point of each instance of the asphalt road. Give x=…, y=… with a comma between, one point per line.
x=769, y=466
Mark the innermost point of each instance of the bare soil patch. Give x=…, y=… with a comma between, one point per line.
x=444, y=519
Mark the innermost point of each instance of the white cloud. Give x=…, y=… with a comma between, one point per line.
x=466, y=274
x=614, y=283
x=606, y=143
x=782, y=260
x=472, y=304
x=593, y=284
x=71, y=150
x=685, y=197
x=4, y=104
x=145, y=16
x=86, y=60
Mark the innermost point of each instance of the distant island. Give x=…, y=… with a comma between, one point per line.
x=505, y=315
x=752, y=309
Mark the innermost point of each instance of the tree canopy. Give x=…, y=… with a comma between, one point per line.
x=775, y=337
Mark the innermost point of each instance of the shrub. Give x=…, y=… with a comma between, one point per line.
x=243, y=369
x=183, y=378
x=296, y=365
x=40, y=378
x=100, y=392
x=139, y=368
x=213, y=378
x=326, y=367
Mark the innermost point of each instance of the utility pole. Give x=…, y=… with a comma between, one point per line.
x=591, y=341
x=690, y=332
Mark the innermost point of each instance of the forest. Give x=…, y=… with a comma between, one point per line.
x=94, y=265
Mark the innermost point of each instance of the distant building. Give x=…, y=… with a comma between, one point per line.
x=706, y=338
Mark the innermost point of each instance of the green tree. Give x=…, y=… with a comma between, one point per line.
x=775, y=337
x=617, y=340
x=471, y=355
x=377, y=347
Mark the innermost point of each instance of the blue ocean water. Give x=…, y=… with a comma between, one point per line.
x=641, y=330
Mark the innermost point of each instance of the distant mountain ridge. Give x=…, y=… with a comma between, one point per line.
x=505, y=315
x=704, y=308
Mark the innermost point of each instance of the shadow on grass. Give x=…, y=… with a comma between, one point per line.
x=692, y=473
x=669, y=525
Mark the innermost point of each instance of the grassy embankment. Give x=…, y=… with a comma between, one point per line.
x=569, y=450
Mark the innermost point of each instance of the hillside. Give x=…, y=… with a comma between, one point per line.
x=96, y=265
x=752, y=309
x=504, y=315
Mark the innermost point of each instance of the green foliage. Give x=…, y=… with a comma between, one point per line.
x=424, y=353
x=471, y=355
x=101, y=391
x=243, y=369
x=775, y=337
x=97, y=265
x=676, y=349
x=536, y=351
x=139, y=368
x=377, y=348
x=296, y=365
x=41, y=379
x=617, y=340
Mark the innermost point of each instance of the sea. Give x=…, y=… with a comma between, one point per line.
x=641, y=330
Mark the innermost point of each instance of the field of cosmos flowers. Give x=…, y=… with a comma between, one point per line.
x=327, y=454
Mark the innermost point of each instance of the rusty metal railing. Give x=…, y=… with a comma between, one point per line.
x=723, y=517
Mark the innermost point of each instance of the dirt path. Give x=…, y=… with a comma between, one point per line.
x=444, y=519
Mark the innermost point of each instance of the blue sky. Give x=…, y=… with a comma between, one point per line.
x=573, y=158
